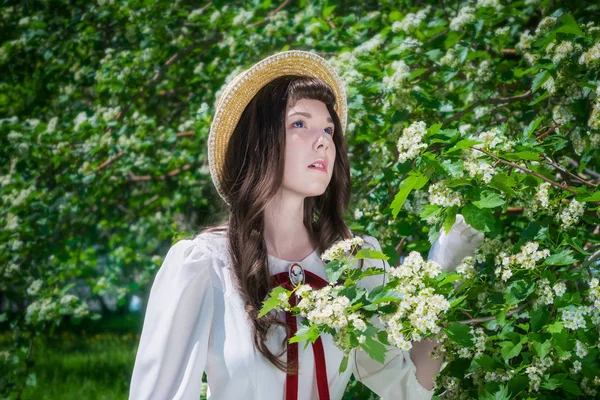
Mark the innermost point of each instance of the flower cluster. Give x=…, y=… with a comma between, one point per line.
x=341, y=248
x=570, y=214
x=561, y=51
x=537, y=370
x=441, y=195
x=574, y=318
x=398, y=78
x=411, y=21
x=467, y=267
x=479, y=339
x=465, y=16
x=527, y=258
x=546, y=293
x=499, y=376
x=411, y=142
x=419, y=310
x=491, y=247
x=326, y=306
x=590, y=56
x=477, y=166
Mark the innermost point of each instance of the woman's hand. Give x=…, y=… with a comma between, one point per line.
x=461, y=241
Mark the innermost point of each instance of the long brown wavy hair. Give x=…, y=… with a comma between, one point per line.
x=254, y=168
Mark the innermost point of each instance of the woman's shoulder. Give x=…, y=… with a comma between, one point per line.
x=215, y=244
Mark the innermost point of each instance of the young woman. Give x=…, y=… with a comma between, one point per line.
x=278, y=159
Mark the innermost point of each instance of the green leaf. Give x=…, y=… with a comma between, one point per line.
x=556, y=327
x=489, y=200
x=327, y=11
x=542, y=349
x=539, y=80
x=273, y=300
x=518, y=291
x=460, y=334
x=481, y=219
x=593, y=197
x=532, y=126
x=31, y=380
x=571, y=387
x=375, y=349
x=370, y=254
x=510, y=350
x=430, y=210
x=500, y=394
x=462, y=145
x=306, y=334
x=569, y=25
x=539, y=98
x=335, y=269
x=415, y=179
x=539, y=317
x=450, y=218
x=563, y=258
x=384, y=295
x=343, y=364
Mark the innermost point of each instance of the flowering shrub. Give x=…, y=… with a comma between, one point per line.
x=486, y=108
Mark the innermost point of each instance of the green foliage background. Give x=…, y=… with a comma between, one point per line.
x=105, y=110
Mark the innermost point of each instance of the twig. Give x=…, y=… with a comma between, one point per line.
x=400, y=246
x=493, y=317
x=176, y=171
x=549, y=131
x=514, y=165
x=109, y=161
x=561, y=169
x=271, y=14
x=586, y=170
x=185, y=133
x=495, y=100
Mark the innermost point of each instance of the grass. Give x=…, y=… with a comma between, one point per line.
x=94, y=360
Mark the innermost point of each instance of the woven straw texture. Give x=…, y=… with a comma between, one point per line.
x=242, y=89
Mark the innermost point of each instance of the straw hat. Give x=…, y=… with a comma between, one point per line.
x=242, y=89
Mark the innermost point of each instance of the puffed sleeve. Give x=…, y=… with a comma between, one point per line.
x=172, y=352
x=395, y=379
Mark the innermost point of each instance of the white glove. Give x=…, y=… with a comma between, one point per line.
x=462, y=240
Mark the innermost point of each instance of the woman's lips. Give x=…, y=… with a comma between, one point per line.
x=318, y=168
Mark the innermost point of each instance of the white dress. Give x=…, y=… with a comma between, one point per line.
x=195, y=322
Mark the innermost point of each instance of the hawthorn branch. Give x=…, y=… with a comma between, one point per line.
x=110, y=161
x=586, y=170
x=549, y=131
x=515, y=165
x=495, y=100
x=561, y=169
x=493, y=317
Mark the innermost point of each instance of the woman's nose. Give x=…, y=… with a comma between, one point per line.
x=321, y=142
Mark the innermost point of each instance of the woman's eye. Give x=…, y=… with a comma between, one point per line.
x=298, y=122
x=330, y=130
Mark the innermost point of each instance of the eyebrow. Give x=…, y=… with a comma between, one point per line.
x=307, y=115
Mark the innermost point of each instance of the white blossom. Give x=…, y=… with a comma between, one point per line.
x=590, y=56
x=571, y=214
x=411, y=21
x=341, y=248
x=441, y=195
x=411, y=144
x=464, y=17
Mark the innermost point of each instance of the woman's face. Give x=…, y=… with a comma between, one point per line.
x=309, y=140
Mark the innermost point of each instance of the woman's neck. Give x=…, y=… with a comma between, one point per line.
x=285, y=235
